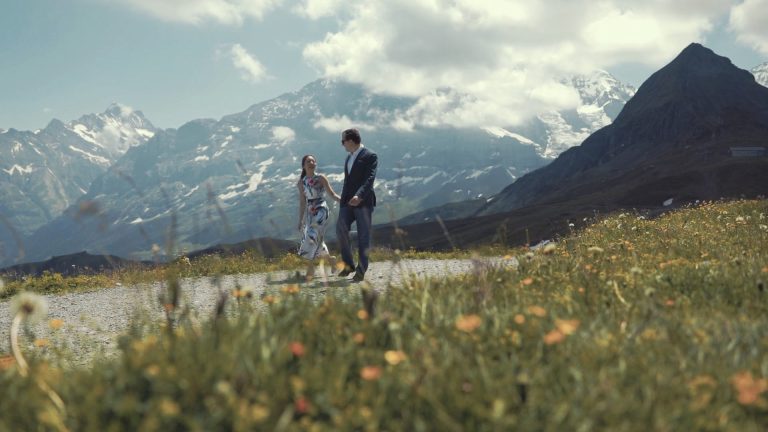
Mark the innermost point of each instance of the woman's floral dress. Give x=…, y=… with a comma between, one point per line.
x=315, y=219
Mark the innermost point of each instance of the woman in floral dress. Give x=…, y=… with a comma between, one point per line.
x=313, y=211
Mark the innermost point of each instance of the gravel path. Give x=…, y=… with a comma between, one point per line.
x=93, y=320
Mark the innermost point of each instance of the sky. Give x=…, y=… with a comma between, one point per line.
x=500, y=60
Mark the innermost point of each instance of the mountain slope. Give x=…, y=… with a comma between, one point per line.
x=671, y=140
x=45, y=171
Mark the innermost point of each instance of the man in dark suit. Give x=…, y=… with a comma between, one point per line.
x=357, y=203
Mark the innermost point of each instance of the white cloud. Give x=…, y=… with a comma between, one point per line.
x=231, y=12
x=750, y=22
x=501, y=59
x=250, y=67
x=283, y=134
x=340, y=123
x=315, y=9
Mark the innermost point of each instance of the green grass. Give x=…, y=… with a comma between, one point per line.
x=630, y=324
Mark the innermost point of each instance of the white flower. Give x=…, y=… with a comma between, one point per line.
x=33, y=307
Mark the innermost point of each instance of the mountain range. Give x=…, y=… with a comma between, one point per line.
x=44, y=172
x=234, y=179
x=676, y=141
x=114, y=184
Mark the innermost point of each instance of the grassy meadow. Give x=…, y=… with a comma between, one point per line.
x=630, y=324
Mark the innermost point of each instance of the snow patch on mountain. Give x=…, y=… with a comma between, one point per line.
x=761, y=74
x=20, y=169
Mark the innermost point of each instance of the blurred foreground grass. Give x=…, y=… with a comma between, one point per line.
x=630, y=324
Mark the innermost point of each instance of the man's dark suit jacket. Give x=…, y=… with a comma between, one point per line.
x=359, y=181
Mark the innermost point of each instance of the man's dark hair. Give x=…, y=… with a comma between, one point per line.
x=351, y=134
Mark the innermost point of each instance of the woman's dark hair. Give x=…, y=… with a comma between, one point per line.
x=304, y=159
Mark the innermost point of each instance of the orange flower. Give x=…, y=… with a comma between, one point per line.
x=520, y=319
x=40, y=343
x=370, y=373
x=567, y=327
x=291, y=289
x=269, y=299
x=358, y=338
x=297, y=349
x=669, y=302
x=748, y=387
x=395, y=357
x=553, y=337
x=56, y=323
x=527, y=281
x=765, y=269
x=362, y=314
x=468, y=323
x=6, y=362
x=537, y=311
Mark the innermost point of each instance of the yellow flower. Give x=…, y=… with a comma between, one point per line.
x=567, y=327
x=169, y=408
x=537, y=311
x=362, y=314
x=468, y=323
x=395, y=357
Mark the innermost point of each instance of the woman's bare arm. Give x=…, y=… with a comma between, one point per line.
x=327, y=186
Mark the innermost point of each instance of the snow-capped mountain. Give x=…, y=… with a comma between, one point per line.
x=45, y=171
x=233, y=179
x=761, y=74
x=551, y=133
x=115, y=130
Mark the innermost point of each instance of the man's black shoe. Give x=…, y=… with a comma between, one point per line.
x=359, y=276
x=344, y=273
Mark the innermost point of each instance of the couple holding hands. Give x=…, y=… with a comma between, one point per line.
x=357, y=201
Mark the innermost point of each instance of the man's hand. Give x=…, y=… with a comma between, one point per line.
x=355, y=201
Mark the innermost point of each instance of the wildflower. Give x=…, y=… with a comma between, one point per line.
x=32, y=307
x=567, y=327
x=669, y=302
x=6, y=362
x=507, y=257
x=748, y=388
x=362, y=314
x=41, y=343
x=468, y=323
x=554, y=337
x=519, y=319
x=169, y=408
x=527, y=281
x=301, y=405
x=537, y=311
x=270, y=299
x=370, y=373
x=56, y=323
x=291, y=289
x=529, y=256
x=394, y=357
x=358, y=338
x=765, y=269
x=297, y=349
x=340, y=266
